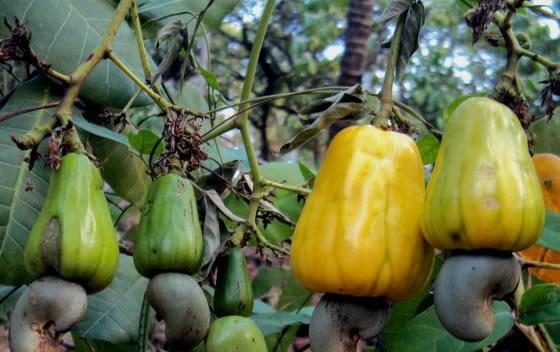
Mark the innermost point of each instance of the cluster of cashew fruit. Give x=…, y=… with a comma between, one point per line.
x=358, y=237
x=169, y=249
x=484, y=201
x=72, y=250
x=365, y=237
x=367, y=231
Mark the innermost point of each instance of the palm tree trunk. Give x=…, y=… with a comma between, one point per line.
x=355, y=57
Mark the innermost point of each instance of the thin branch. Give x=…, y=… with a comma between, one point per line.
x=551, y=65
x=174, y=14
x=26, y=110
x=539, y=9
x=265, y=243
x=9, y=294
x=143, y=325
x=140, y=42
x=417, y=116
x=63, y=114
x=295, y=189
x=228, y=124
x=319, y=90
x=536, y=264
x=60, y=76
x=199, y=18
x=101, y=51
x=158, y=99
x=386, y=93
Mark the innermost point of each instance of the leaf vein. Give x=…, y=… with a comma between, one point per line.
x=57, y=34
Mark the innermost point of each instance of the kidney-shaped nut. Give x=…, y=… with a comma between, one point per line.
x=179, y=301
x=466, y=286
x=339, y=322
x=48, y=305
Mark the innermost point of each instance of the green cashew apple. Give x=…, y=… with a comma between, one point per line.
x=233, y=295
x=169, y=234
x=234, y=334
x=74, y=235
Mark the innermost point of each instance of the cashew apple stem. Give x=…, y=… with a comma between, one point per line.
x=386, y=94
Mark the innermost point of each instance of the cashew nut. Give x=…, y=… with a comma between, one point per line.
x=47, y=308
x=179, y=301
x=466, y=287
x=339, y=322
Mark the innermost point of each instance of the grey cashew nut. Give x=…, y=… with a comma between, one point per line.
x=179, y=301
x=465, y=288
x=339, y=322
x=47, y=308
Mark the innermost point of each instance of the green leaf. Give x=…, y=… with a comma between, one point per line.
x=224, y=155
x=100, y=131
x=100, y=346
x=144, y=142
x=65, y=32
x=113, y=313
x=546, y=134
x=462, y=4
x=122, y=169
x=306, y=172
x=291, y=174
x=216, y=199
x=550, y=237
x=394, y=9
x=157, y=13
x=428, y=145
x=19, y=208
x=212, y=236
x=259, y=307
x=208, y=76
x=543, y=10
x=266, y=279
x=411, y=33
x=540, y=304
x=293, y=294
x=8, y=305
x=425, y=333
x=403, y=311
x=271, y=323
x=455, y=104
x=553, y=330
x=287, y=340
x=215, y=179
x=192, y=99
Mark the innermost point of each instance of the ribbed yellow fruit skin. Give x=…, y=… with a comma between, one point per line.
x=359, y=231
x=484, y=192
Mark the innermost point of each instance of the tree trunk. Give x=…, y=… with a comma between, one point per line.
x=355, y=57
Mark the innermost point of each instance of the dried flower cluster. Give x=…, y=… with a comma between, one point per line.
x=480, y=17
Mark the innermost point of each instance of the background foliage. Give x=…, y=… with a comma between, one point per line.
x=203, y=72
